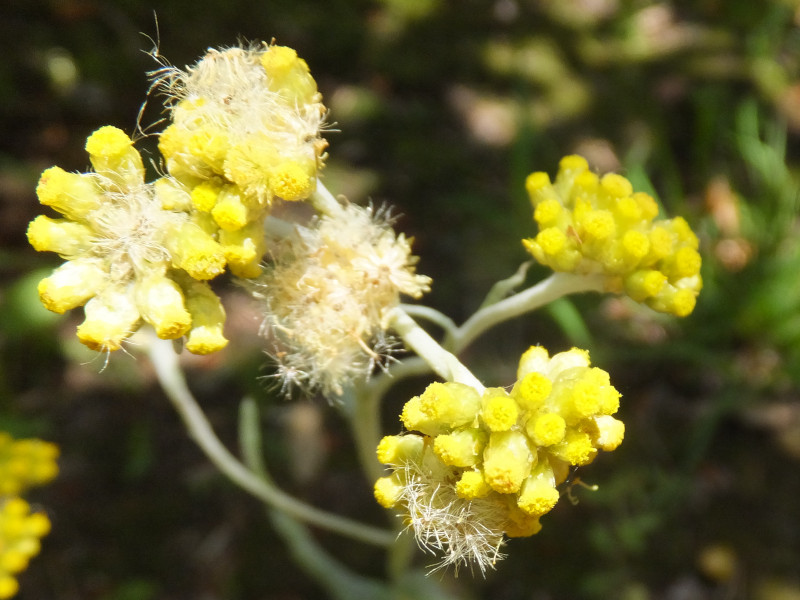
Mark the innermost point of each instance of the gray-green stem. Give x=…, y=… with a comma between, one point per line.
x=170, y=375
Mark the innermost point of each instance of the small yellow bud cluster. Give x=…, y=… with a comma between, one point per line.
x=20, y=532
x=496, y=456
x=245, y=130
x=590, y=224
x=23, y=464
x=133, y=255
x=327, y=294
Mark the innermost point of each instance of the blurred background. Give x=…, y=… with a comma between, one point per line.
x=440, y=108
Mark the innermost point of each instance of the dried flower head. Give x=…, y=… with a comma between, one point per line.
x=327, y=293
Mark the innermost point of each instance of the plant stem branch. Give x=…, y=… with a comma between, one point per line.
x=167, y=368
x=443, y=363
x=544, y=292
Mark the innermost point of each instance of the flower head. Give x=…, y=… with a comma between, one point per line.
x=23, y=464
x=327, y=293
x=245, y=130
x=590, y=224
x=478, y=466
x=124, y=241
x=20, y=532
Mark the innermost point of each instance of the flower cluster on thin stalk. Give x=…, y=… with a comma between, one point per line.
x=478, y=466
x=590, y=224
x=245, y=133
x=326, y=295
x=24, y=464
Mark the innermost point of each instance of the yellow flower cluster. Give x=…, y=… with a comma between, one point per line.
x=23, y=464
x=132, y=254
x=245, y=130
x=590, y=224
x=481, y=465
x=327, y=294
x=20, y=531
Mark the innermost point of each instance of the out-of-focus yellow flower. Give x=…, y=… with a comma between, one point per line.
x=124, y=242
x=20, y=532
x=23, y=464
x=590, y=224
x=328, y=292
x=245, y=130
x=477, y=467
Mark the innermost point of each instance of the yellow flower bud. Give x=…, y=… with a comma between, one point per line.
x=399, y=449
x=450, y=404
x=244, y=249
x=172, y=195
x=576, y=448
x=607, y=433
x=110, y=319
x=388, y=490
x=113, y=156
x=521, y=524
x=204, y=195
x=507, y=461
x=499, y=411
x=196, y=252
x=546, y=429
x=534, y=360
x=71, y=285
x=538, y=495
x=532, y=390
x=290, y=181
x=160, y=302
x=230, y=212
x=414, y=419
x=461, y=448
x=71, y=194
x=207, y=318
x=644, y=284
x=472, y=485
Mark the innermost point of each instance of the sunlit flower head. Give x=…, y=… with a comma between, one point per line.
x=478, y=466
x=245, y=130
x=124, y=242
x=590, y=224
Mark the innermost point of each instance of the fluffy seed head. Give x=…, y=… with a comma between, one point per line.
x=326, y=295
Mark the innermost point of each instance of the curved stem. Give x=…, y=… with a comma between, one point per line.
x=165, y=362
x=444, y=363
x=544, y=292
x=366, y=430
x=322, y=200
x=332, y=575
x=432, y=315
